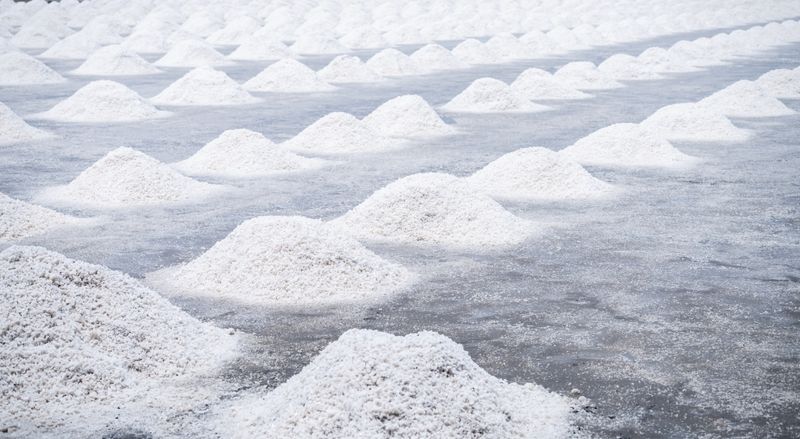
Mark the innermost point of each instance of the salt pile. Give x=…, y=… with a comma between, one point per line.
x=745, y=99
x=103, y=101
x=346, y=68
x=202, y=23
x=363, y=38
x=287, y=75
x=146, y=42
x=436, y=57
x=781, y=83
x=19, y=219
x=692, y=122
x=76, y=46
x=14, y=130
x=661, y=60
x=507, y=46
x=316, y=44
x=537, y=174
x=115, y=60
x=244, y=153
x=288, y=261
x=370, y=384
x=17, y=68
x=192, y=53
x=259, y=48
x=235, y=31
x=126, y=177
x=489, y=95
x=434, y=209
x=584, y=75
x=339, y=133
x=474, y=52
x=535, y=84
x=392, y=62
x=37, y=36
x=626, y=145
x=204, y=86
x=407, y=116
x=622, y=66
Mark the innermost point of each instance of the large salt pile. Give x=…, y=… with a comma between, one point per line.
x=781, y=83
x=626, y=145
x=623, y=66
x=436, y=57
x=17, y=68
x=204, y=86
x=288, y=261
x=340, y=133
x=103, y=101
x=77, y=337
x=407, y=116
x=434, y=209
x=115, y=60
x=192, y=53
x=126, y=177
x=259, y=48
x=584, y=75
x=694, y=122
x=535, y=84
x=489, y=95
x=392, y=62
x=287, y=75
x=474, y=52
x=347, y=68
x=537, y=174
x=19, y=219
x=745, y=99
x=371, y=384
x=14, y=130
x=244, y=153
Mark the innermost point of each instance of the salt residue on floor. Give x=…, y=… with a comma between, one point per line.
x=103, y=101
x=204, y=86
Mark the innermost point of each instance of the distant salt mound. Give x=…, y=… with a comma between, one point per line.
x=537, y=174
x=392, y=62
x=236, y=31
x=626, y=145
x=15, y=130
x=347, y=68
x=289, y=76
x=584, y=75
x=76, y=46
x=692, y=122
x=203, y=23
x=147, y=42
x=745, y=99
x=276, y=260
x=340, y=133
x=37, y=36
x=244, y=153
x=535, y=84
x=192, y=53
x=126, y=177
x=17, y=68
x=19, y=219
x=370, y=384
x=489, y=95
x=627, y=67
x=204, y=86
x=659, y=59
x=115, y=60
x=407, y=116
x=436, y=57
x=507, y=46
x=316, y=44
x=363, y=38
x=473, y=51
x=258, y=49
x=781, y=83
x=103, y=101
x=434, y=210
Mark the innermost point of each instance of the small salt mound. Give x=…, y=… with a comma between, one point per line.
x=146, y=42
x=287, y=75
x=507, y=46
x=584, y=75
x=781, y=83
x=474, y=52
x=535, y=84
x=14, y=130
x=192, y=53
x=19, y=219
x=434, y=209
x=236, y=31
x=289, y=261
x=392, y=62
x=489, y=95
x=204, y=86
x=17, y=68
x=370, y=384
x=36, y=36
x=259, y=48
x=244, y=153
x=407, y=116
x=693, y=122
x=103, y=101
x=347, y=68
x=622, y=66
x=76, y=46
x=363, y=38
x=659, y=59
x=315, y=44
x=537, y=174
x=436, y=57
x=745, y=99
x=340, y=133
x=626, y=145
x=115, y=60
x=202, y=23
x=126, y=177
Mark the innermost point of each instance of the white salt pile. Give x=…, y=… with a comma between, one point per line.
x=365, y=37
x=436, y=57
x=244, y=153
x=537, y=174
x=370, y=384
x=626, y=145
x=125, y=177
x=14, y=130
x=535, y=84
x=692, y=122
x=236, y=31
x=434, y=210
x=259, y=48
x=19, y=219
x=507, y=46
x=340, y=133
x=17, y=68
x=103, y=101
x=192, y=53
x=115, y=60
x=623, y=66
x=147, y=42
x=473, y=51
x=745, y=99
x=392, y=62
x=347, y=68
x=76, y=46
x=781, y=83
x=489, y=95
x=287, y=75
x=407, y=116
x=659, y=59
x=292, y=260
x=315, y=44
x=204, y=86
x=584, y=75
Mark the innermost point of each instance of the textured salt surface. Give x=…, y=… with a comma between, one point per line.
x=19, y=219
x=115, y=60
x=692, y=122
x=340, y=133
x=14, y=130
x=103, y=101
x=407, y=116
x=204, y=86
x=287, y=75
x=489, y=95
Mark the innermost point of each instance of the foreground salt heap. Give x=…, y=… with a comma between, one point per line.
x=115, y=60
x=14, y=130
x=370, y=384
x=339, y=133
x=19, y=219
x=692, y=122
x=407, y=116
x=17, y=68
x=204, y=86
x=347, y=68
x=489, y=95
x=103, y=101
x=535, y=84
x=745, y=99
x=287, y=75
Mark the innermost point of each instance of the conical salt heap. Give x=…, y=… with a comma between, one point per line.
x=103, y=101
x=339, y=133
x=489, y=95
x=287, y=75
x=692, y=122
x=204, y=86
x=407, y=116
x=14, y=130
x=115, y=60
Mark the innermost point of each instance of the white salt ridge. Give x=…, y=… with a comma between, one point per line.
x=125, y=177
x=436, y=57
x=781, y=83
x=489, y=95
x=19, y=220
x=204, y=86
x=745, y=99
x=316, y=44
x=626, y=145
x=115, y=60
x=535, y=84
x=407, y=116
x=244, y=153
x=259, y=48
x=274, y=260
x=627, y=67
x=434, y=209
x=473, y=51
x=392, y=62
x=103, y=101
x=584, y=75
x=17, y=68
x=340, y=133
x=370, y=384
x=13, y=129
x=537, y=174
x=692, y=122
x=290, y=76
x=347, y=68
x=192, y=53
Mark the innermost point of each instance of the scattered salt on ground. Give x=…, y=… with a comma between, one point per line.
x=474, y=52
x=192, y=53
x=489, y=95
x=292, y=260
x=781, y=83
x=370, y=384
x=317, y=44
x=103, y=101
x=626, y=145
x=340, y=133
x=537, y=173
x=434, y=209
x=17, y=68
x=287, y=75
x=258, y=48
x=745, y=99
x=115, y=60
x=14, y=130
x=407, y=116
x=436, y=57
x=347, y=68
x=584, y=75
x=535, y=84
x=244, y=153
x=392, y=62
x=693, y=122
x=126, y=177
x=204, y=86
x=19, y=219
x=623, y=66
